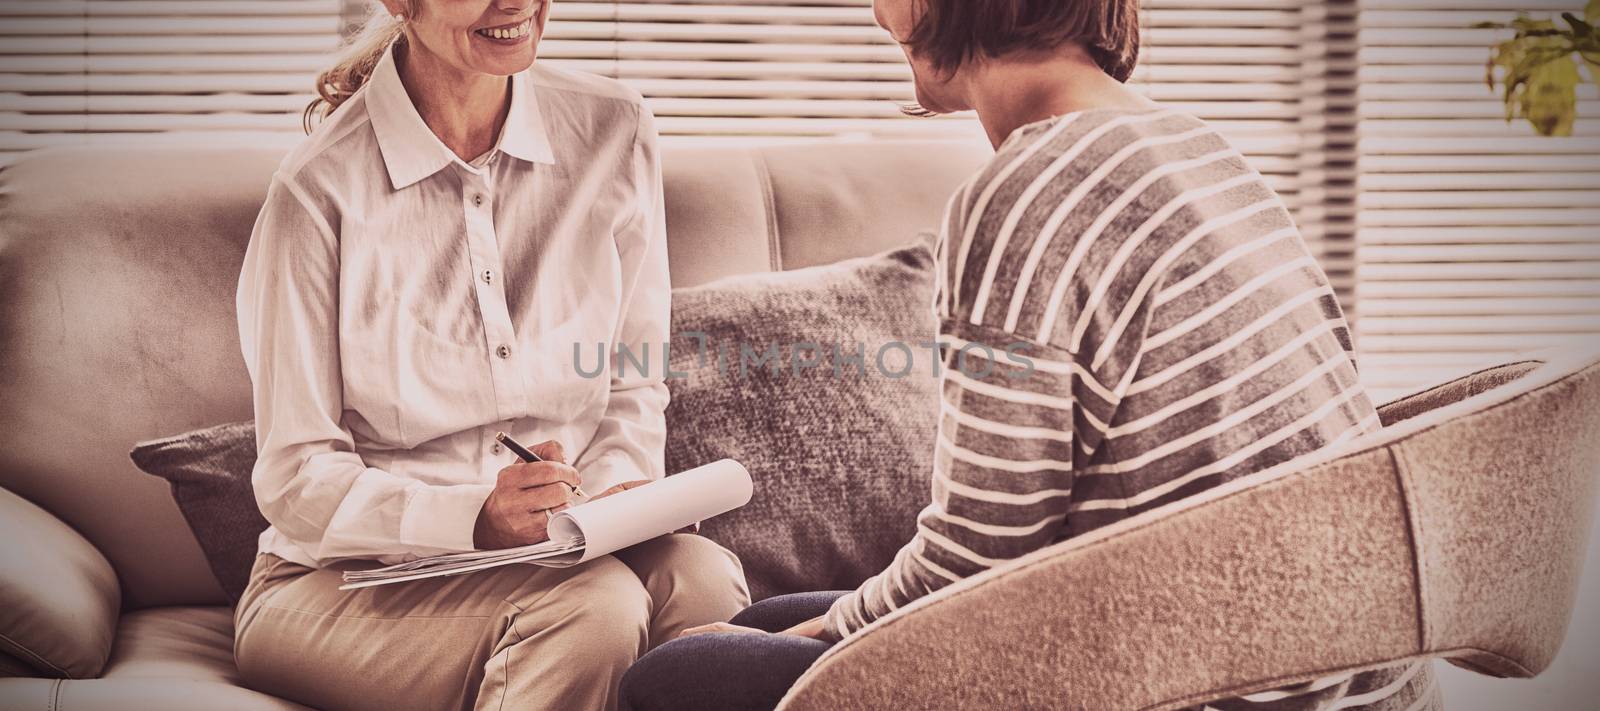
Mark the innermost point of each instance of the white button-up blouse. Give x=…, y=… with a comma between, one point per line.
x=397, y=306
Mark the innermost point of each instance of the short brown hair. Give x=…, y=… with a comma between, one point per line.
x=953, y=32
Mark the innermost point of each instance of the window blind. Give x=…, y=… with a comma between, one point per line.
x=1478, y=239
x=720, y=71
x=1263, y=72
x=1271, y=75
x=88, y=71
x=1277, y=78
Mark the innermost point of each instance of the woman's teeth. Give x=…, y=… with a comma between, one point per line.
x=513, y=32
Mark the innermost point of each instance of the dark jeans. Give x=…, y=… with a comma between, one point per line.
x=728, y=671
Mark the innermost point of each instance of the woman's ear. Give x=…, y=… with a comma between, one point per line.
x=401, y=10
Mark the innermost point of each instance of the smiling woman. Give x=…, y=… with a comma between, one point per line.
x=493, y=40
x=408, y=293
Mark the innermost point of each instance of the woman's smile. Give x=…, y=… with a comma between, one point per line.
x=509, y=35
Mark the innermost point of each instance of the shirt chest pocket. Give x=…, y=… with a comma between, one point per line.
x=412, y=349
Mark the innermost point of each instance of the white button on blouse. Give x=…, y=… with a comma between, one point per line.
x=383, y=350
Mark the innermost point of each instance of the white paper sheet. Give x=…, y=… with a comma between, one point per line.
x=663, y=506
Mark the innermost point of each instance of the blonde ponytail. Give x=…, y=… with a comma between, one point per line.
x=356, y=62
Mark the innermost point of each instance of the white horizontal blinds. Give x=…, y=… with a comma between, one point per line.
x=1328, y=133
x=713, y=71
x=742, y=70
x=118, y=70
x=1273, y=76
x=1478, y=239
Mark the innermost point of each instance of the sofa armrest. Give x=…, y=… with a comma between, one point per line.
x=59, y=597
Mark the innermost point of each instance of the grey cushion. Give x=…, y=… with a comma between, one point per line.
x=840, y=460
x=209, y=470
x=59, y=598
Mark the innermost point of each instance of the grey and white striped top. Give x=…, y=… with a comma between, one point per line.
x=1178, y=335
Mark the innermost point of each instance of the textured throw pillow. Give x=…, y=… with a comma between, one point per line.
x=820, y=381
x=209, y=470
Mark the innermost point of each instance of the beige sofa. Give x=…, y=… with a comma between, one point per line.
x=117, y=276
x=117, y=272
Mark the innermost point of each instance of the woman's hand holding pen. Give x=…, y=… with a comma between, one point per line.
x=525, y=496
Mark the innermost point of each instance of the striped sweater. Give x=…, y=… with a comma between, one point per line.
x=1177, y=332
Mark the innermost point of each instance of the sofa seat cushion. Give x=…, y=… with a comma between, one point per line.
x=175, y=643
x=168, y=658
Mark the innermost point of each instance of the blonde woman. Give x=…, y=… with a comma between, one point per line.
x=416, y=281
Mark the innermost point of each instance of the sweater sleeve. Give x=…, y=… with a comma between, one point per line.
x=1020, y=412
x=1002, y=475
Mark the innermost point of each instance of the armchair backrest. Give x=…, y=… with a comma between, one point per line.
x=1456, y=532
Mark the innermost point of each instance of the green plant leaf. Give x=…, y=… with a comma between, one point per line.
x=1518, y=57
x=1499, y=56
x=1539, y=69
x=1549, y=97
x=1588, y=45
x=1580, y=29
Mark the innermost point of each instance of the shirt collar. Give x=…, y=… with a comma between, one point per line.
x=410, y=149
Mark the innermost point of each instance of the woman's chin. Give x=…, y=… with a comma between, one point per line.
x=505, y=60
x=933, y=103
x=504, y=52
x=938, y=97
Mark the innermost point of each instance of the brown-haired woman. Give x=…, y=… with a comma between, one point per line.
x=416, y=281
x=1179, y=332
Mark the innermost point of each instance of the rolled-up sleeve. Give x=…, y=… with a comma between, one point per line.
x=629, y=442
x=309, y=481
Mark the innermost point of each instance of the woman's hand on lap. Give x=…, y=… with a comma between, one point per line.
x=811, y=629
x=718, y=627
x=525, y=496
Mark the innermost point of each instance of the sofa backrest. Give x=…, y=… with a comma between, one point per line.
x=117, y=275
x=1458, y=532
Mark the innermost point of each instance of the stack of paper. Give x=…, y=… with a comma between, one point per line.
x=595, y=528
x=549, y=553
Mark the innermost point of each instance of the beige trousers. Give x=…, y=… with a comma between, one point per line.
x=513, y=637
